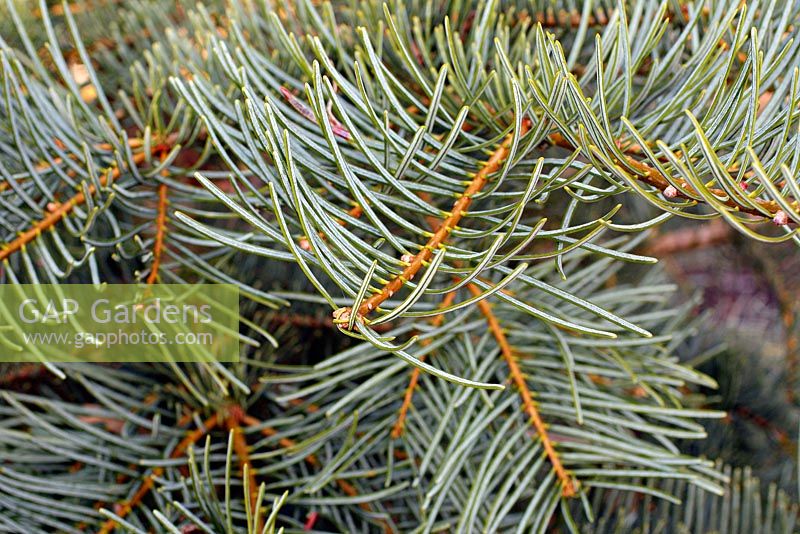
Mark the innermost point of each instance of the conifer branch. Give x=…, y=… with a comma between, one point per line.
x=439, y=237
x=312, y=460
x=653, y=177
x=568, y=488
x=58, y=211
x=44, y=166
x=121, y=478
x=147, y=484
x=421, y=96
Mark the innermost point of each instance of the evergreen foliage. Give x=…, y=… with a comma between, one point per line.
x=435, y=212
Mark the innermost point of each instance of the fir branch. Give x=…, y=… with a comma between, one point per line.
x=653, y=177
x=403, y=86
x=45, y=166
x=149, y=400
x=312, y=460
x=568, y=488
x=147, y=484
x=438, y=239
x=57, y=212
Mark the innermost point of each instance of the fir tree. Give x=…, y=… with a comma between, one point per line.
x=436, y=213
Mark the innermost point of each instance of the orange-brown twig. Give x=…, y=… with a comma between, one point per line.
x=52, y=218
x=568, y=488
x=125, y=508
x=399, y=425
x=161, y=230
x=460, y=208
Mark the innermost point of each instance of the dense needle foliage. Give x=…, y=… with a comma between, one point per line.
x=440, y=217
